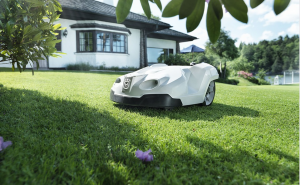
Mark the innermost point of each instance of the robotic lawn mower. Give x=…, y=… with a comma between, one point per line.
x=164, y=86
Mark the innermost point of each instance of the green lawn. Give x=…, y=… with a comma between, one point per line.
x=65, y=130
x=243, y=81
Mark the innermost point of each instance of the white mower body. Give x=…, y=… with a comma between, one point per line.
x=164, y=86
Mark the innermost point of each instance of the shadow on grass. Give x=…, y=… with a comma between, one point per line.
x=57, y=141
x=227, y=164
x=195, y=112
x=281, y=154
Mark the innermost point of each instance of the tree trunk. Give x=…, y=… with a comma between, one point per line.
x=225, y=70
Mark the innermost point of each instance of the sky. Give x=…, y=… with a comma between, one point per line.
x=263, y=24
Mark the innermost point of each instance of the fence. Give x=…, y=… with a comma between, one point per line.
x=290, y=77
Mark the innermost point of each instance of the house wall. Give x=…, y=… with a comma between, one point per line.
x=68, y=46
x=161, y=43
x=131, y=59
x=5, y=64
x=116, y=59
x=96, y=58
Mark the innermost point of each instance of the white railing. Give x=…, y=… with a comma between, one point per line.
x=294, y=77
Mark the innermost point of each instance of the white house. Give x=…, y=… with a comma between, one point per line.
x=94, y=36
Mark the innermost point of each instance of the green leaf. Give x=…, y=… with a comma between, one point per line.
x=58, y=52
x=172, y=8
x=158, y=3
x=57, y=5
x=280, y=5
x=56, y=26
x=255, y=3
x=213, y=20
x=238, y=9
x=217, y=8
x=37, y=37
x=52, y=42
x=63, y=28
x=187, y=7
x=194, y=19
x=8, y=28
x=27, y=29
x=146, y=8
x=123, y=9
x=35, y=3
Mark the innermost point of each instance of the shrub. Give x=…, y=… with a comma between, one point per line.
x=203, y=58
x=191, y=57
x=228, y=81
x=129, y=69
x=253, y=80
x=228, y=72
x=263, y=82
x=242, y=64
x=101, y=67
x=176, y=59
x=160, y=59
x=261, y=74
x=80, y=66
x=116, y=68
x=245, y=74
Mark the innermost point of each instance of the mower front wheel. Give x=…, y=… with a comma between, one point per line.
x=210, y=94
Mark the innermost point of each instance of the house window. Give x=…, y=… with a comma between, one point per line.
x=103, y=42
x=58, y=45
x=99, y=41
x=86, y=41
x=118, y=43
x=158, y=55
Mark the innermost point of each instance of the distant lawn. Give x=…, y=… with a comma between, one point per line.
x=291, y=85
x=65, y=130
x=243, y=81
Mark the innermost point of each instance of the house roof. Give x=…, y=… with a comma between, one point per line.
x=107, y=12
x=171, y=34
x=95, y=10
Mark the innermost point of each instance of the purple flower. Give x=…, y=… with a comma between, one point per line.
x=3, y=145
x=207, y=1
x=144, y=156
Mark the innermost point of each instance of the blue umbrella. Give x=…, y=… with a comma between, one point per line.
x=192, y=49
